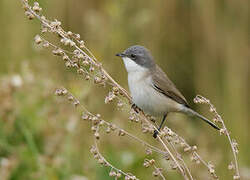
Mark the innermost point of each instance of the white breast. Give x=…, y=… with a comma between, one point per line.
x=144, y=95
x=131, y=66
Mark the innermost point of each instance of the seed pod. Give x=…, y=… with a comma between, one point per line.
x=38, y=39
x=97, y=135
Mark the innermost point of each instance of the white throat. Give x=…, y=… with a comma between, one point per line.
x=131, y=66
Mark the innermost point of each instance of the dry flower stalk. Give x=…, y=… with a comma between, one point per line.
x=217, y=118
x=97, y=122
x=86, y=65
x=157, y=171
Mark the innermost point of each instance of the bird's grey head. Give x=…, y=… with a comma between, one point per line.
x=139, y=55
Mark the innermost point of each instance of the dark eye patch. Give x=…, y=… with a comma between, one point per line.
x=133, y=56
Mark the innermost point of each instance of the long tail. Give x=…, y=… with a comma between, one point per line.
x=193, y=113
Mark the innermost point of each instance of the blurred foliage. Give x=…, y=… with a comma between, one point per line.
x=202, y=45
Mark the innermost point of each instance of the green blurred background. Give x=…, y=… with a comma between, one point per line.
x=203, y=45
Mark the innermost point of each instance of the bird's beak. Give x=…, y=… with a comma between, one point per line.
x=121, y=55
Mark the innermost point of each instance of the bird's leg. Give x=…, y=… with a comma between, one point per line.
x=162, y=122
x=136, y=108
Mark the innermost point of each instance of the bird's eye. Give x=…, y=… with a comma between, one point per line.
x=133, y=56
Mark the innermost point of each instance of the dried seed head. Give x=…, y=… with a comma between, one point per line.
x=151, y=129
x=113, y=127
x=94, y=128
x=44, y=29
x=131, y=117
x=236, y=177
x=152, y=119
x=162, y=134
x=38, y=39
x=93, y=150
x=97, y=135
x=65, y=57
x=25, y=7
x=91, y=69
x=156, y=173
x=173, y=166
x=146, y=164
x=46, y=44
x=77, y=36
x=36, y=3
x=145, y=129
x=76, y=52
x=177, y=141
x=95, y=120
x=29, y=15
x=115, y=89
x=101, y=123
x=211, y=170
x=55, y=24
x=68, y=64
x=58, y=52
x=194, y=157
x=111, y=96
x=197, y=161
x=76, y=103
x=194, y=148
x=61, y=92
x=200, y=99
x=223, y=131
x=69, y=33
x=231, y=166
x=36, y=7
x=118, y=175
x=85, y=117
x=167, y=157
x=97, y=80
x=80, y=71
x=96, y=156
x=82, y=44
x=183, y=144
x=43, y=18
x=70, y=98
x=85, y=63
x=148, y=151
x=72, y=43
x=212, y=109
x=121, y=132
x=235, y=146
x=187, y=149
x=112, y=173
x=108, y=130
x=65, y=41
x=98, y=116
x=101, y=161
x=87, y=77
x=152, y=161
x=170, y=132
x=120, y=104
x=80, y=56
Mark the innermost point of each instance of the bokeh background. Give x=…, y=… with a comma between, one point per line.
x=203, y=45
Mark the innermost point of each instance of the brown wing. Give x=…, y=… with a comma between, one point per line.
x=164, y=85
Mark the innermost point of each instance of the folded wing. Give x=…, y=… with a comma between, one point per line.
x=164, y=85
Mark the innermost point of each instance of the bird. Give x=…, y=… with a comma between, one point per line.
x=151, y=89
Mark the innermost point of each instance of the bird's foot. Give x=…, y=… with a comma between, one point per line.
x=136, y=108
x=155, y=133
